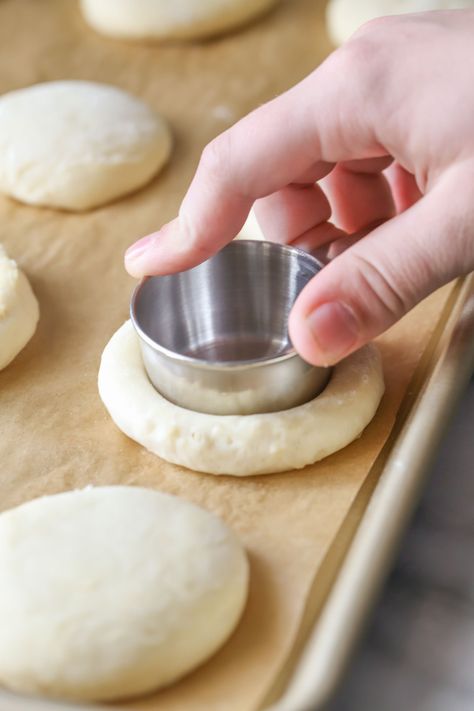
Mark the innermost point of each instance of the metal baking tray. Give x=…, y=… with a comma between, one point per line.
x=400, y=471
x=363, y=560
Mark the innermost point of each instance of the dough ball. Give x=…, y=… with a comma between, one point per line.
x=344, y=17
x=176, y=19
x=76, y=145
x=111, y=592
x=241, y=445
x=251, y=228
x=19, y=310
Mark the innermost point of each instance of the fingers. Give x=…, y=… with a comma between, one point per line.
x=405, y=190
x=373, y=283
x=359, y=194
x=237, y=167
x=360, y=197
x=269, y=149
x=290, y=212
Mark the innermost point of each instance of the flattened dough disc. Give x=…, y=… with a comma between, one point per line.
x=239, y=445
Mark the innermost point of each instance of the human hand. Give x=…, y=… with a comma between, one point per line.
x=381, y=137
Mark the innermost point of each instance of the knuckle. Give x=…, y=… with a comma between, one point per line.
x=359, y=52
x=375, y=26
x=375, y=83
x=379, y=289
x=193, y=235
x=215, y=157
x=359, y=66
x=366, y=56
x=188, y=230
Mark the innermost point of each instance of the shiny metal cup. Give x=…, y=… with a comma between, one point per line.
x=215, y=338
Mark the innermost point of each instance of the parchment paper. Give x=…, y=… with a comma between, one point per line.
x=54, y=432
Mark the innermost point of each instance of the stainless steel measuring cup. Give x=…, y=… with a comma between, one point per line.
x=215, y=338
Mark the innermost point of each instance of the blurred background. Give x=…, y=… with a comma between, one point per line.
x=418, y=650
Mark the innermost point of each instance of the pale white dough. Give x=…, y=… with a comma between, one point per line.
x=251, y=228
x=19, y=310
x=344, y=17
x=111, y=592
x=76, y=144
x=239, y=445
x=170, y=19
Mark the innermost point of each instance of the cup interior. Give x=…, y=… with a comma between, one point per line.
x=232, y=308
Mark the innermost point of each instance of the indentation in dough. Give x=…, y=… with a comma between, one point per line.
x=239, y=445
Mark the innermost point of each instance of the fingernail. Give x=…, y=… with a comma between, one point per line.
x=334, y=328
x=139, y=247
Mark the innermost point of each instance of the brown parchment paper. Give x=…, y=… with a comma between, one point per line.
x=54, y=432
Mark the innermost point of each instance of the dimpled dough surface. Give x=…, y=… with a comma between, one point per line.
x=110, y=592
x=239, y=445
x=77, y=144
x=175, y=19
x=19, y=311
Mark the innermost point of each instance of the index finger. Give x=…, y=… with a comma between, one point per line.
x=292, y=136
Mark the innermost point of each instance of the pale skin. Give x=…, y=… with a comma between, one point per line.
x=371, y=157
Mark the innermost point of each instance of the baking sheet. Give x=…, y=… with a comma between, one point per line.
x=372, y=532
x=54, y=433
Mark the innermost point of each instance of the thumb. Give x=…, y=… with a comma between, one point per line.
x=372, y=284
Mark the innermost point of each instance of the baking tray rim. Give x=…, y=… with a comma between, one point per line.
x=370, y=554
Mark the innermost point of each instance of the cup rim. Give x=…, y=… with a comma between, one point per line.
x=232, y=365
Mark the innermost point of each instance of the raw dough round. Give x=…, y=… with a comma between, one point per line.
x=114, y=591
x=165, y=19
x=251, y=229
x=19, y=310
x=76, y=144
x=344, y=17
x=239, y=445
